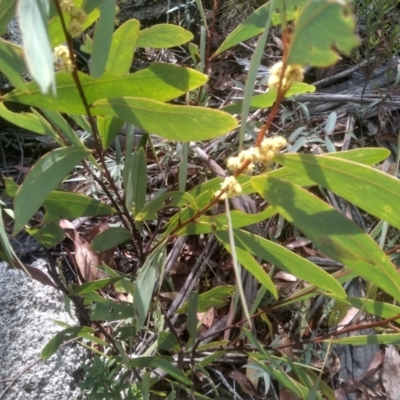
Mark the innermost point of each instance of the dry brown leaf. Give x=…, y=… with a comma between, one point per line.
x=286, y=394
x=351, y=313
x=285, y=276
x=391, y=373
x=298, y=243
x=207, y=318
x=252, y=374
x=37, y=275
x=244, y=382
x=376, y=363
x=106, y=257
x=86, y=259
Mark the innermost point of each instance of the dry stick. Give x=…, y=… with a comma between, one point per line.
x=344, y=98
x=98, y=146
x=343, y=74
x=264, y=311
x=193, y=277
x=14, y=379
x=174, y=254
x=319, y=339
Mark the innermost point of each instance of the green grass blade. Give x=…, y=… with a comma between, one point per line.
x=331, y=232
x=247, y=260
x=288, y=261
x=255, y=23
x=372, y=190
x=103, y=34
x=252, y=76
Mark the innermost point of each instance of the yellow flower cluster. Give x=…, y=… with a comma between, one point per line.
x=229, y=187
x=67, y=5
x=63, y=58
x=78, y=17
x=263, y=154
x=293, y=73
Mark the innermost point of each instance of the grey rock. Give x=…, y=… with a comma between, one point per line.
x=27, y=312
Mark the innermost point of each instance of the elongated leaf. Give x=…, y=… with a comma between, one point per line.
x=140, y=188
x=7, y=253
x=49, y=234
x=250, y=84
x=284, y=379
x=163, y=36
x=255, y=23
x=27, y=121
x=373, y=307
x=93, y=286
x=372, y=190
x=239, y=219
x=11, y=187
x=122, y=48
x=7, y=11
x=216, y=297
x=165, y=364
x=192, y=320
x=178, y=123
x=122, y=286
x=103, y=32
x=178, y=199
x=129, y=173
x=146, y=280
x=67, y=334
x=110, y=238
x=110, y=310
x=288, y=261
x=334, y=234
x=267, y=99
x=109, y=127
x=168, y=341
x=322, y=28
x=12, y=63
x=204, y=191
x=161, y=82
x=325, y=389
x=58, y=121
x=183, y=167
x=361, y=340
x=46, y=174
x=246, y=259
x=363, y=156
x=91, y=5
x=187, y=212
x=32, y=16
x=66, y=205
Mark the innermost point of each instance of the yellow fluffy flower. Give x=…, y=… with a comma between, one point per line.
x=269, y=147
x=230, y=187
x=67, y=5
x=293, y=73
x=63, y=58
